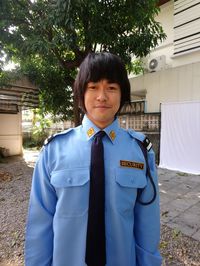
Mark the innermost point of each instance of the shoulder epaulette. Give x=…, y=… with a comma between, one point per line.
x=147, y=143
x=142, y=138
x=50, y=138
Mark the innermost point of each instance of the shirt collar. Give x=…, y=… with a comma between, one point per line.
x=90, y=129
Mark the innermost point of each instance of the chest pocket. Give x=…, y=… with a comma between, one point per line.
x=72, y=188
x=128, y=181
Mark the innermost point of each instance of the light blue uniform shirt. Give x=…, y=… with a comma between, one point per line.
x=58, y=211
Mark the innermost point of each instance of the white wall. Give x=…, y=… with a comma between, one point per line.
x=166, y=18
x=11, y=133
x=171, y=85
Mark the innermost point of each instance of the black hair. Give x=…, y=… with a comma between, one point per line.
x=98, y=66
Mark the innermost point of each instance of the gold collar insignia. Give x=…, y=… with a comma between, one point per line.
x=90, y=132
x=112, y=135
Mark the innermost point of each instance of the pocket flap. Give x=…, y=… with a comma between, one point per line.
x=131, y=178
x=70, y=177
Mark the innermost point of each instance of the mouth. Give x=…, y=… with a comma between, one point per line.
x=102, y=107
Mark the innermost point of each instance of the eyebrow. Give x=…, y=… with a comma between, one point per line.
x=109, y=81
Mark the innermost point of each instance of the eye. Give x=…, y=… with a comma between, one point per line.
x=91, y=86
x=113, y=87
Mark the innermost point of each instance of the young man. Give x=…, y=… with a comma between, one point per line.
x=84, y=203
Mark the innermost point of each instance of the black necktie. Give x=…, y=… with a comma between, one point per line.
x=95, y=242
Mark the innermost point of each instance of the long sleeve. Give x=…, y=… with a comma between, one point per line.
x=39, y=231
x=147, y=223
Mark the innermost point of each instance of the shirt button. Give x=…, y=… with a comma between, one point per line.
x=69, y=180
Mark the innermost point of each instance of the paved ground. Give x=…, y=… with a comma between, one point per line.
x=180, y=201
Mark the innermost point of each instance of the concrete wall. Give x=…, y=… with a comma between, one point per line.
x=171, y=85
x=166, y=48
x=11, y=133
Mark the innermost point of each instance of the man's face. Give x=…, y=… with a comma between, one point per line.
x=102, y=101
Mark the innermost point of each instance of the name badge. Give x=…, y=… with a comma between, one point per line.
x=131, y=164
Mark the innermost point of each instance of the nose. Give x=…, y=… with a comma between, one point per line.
x=102, y=96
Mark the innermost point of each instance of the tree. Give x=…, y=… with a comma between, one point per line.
x=50, y=38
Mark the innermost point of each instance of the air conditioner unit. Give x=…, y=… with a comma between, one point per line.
x=157, y=63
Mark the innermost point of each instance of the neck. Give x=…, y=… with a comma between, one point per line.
x=101, y=124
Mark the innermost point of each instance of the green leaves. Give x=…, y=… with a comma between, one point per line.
x=50, y=38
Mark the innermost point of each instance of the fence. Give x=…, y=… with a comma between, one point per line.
x=147, y=123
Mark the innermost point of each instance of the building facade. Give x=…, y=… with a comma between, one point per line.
x=172, y=70
x=171, y=75
x=14, y=98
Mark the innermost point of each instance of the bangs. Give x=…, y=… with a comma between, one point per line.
x=104, y=69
